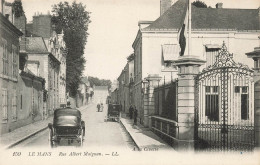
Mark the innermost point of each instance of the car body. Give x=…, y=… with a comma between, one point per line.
x=113, y=112
x=68, y=125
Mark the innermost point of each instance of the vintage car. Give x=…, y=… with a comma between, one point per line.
x=113, y=112
x=67, y=125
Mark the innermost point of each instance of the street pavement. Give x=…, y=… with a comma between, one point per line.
x=100, y=134
x=143, y=137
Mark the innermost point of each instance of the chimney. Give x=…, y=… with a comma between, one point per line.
x=219, y=5
x=42, y=25
x=165, y=5
x=20, y=23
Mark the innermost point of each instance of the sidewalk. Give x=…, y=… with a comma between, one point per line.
x=20, y=134
x=144, y=138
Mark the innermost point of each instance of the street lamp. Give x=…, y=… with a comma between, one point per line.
x=144, y=86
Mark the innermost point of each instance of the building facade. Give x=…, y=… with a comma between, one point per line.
x=9, y=70
x=47, y=58
x=157, y=43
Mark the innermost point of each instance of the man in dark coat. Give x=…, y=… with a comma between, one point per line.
x=98, y=107
x=131, y=110
x=135, y=116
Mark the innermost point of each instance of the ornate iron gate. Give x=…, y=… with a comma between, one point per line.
x=224, y=106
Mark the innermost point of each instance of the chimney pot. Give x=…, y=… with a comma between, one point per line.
x=219, y=5
x=165, y=5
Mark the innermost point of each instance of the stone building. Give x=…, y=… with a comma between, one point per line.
x=32, y=87
x=9, y=69
x=44, y=64
x=157, y=42
x=46, y=52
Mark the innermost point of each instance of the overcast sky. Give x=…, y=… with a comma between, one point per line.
x=114, y=27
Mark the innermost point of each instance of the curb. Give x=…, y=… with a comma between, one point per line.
x=25, y=138
x=130, y=135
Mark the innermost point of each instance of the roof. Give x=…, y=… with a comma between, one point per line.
x=67, y=111
x=31, y=75
x=6, y=24
x=207, y=18
x=171, y=19
x=29, y=31
x=36, y=45
x=255, y=53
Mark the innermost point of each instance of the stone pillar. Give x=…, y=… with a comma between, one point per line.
x=257, y=109
x=149, y=110
x=255, y=55
x=188, y=69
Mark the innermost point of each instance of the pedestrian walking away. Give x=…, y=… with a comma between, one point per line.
x=98, y=107
x=102, y=107
x=131, y=110
x=135, y=116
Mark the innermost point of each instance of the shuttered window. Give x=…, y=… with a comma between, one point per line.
x=4, y=104
x=211, y=54
x=14, y=106
x=5, y=57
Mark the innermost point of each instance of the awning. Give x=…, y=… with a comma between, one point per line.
x=170, y=52
x=213, y=46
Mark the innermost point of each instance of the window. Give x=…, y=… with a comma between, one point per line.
x=212, y=103
x=256, y=63
x=211, y=53
x=14, y=106
x=243, y=91
x=21, y=105
x=4, y=104
x=5, y=57
x=14, y=62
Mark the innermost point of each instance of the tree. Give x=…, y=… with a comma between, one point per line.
x=73, y=20
x=17, y=8
x=199, y=4
x=99, y=82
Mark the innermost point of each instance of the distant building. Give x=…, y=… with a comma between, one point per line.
x=46, y=58
x=125, y=85
x=100, y=94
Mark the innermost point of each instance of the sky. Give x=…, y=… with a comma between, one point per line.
x=113, y=28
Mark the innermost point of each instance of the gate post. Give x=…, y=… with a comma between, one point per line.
x=149, y=109
x=188, y=68
x=255, y=55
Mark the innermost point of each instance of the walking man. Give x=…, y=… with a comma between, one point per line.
x=131, y=110
x=135, y=116
x=102, y=107
x=98, y=107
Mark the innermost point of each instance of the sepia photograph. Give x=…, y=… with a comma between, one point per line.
x=130, y=82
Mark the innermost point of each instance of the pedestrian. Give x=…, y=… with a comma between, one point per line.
x=135, y=116
x=98, y=107
x=102, y=107
x=131, y=110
